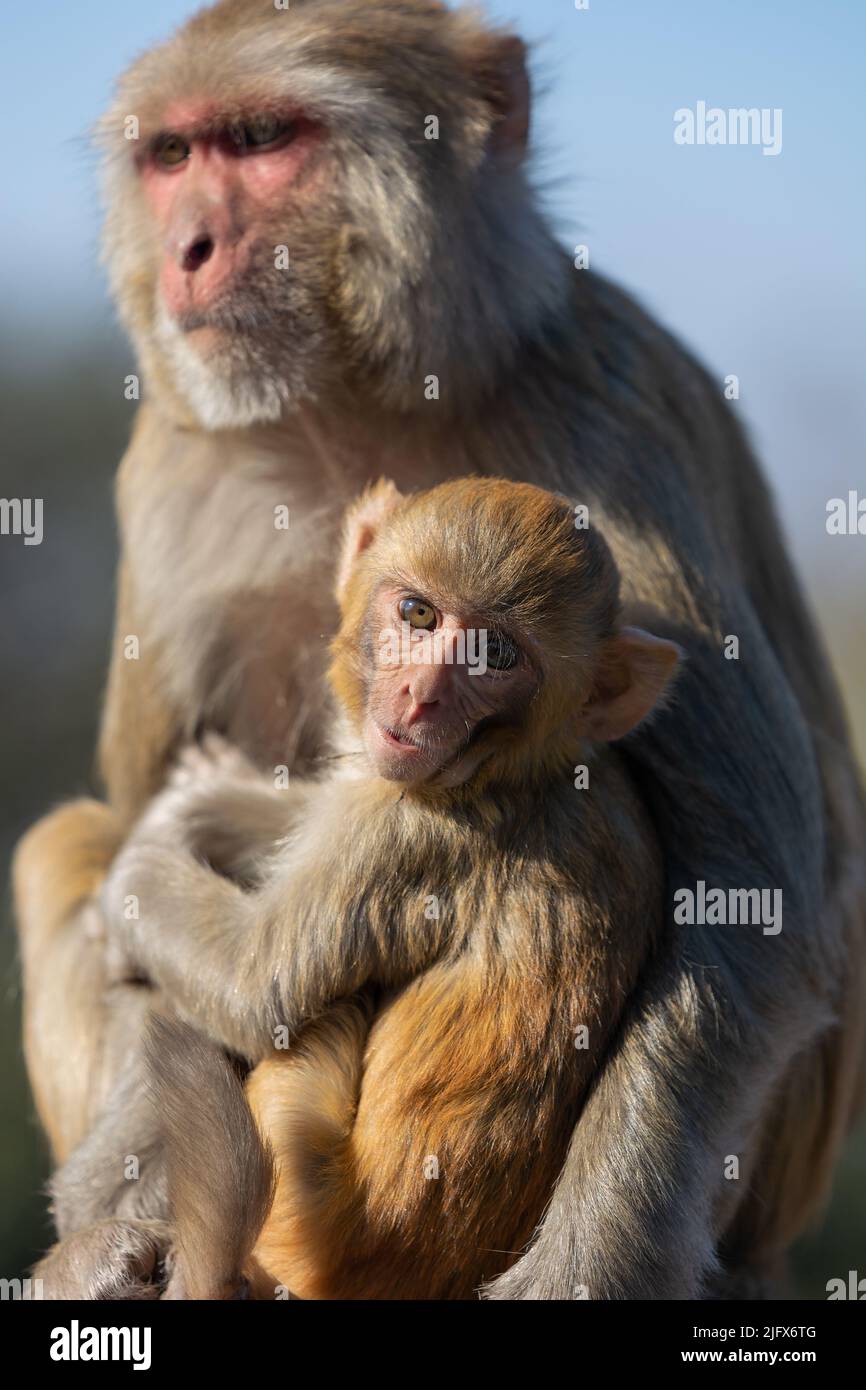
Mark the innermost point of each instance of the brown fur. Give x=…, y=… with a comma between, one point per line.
x=466, y=1053
x=59, y=865
x=220, y=1192
x=419, y=257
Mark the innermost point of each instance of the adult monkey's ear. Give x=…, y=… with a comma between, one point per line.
x=498, y=63
x=361, y=525
x=634, y=671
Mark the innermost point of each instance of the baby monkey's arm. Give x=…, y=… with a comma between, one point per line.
x=244, y=965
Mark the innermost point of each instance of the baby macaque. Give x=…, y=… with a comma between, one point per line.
x=430, y=949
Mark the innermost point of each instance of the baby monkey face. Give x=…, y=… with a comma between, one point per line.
x=440, y=678
x=480, y=626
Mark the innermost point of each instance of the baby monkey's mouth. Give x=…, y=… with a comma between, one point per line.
x=437, y=748
x=428, y=749
x=396, y=737
x=444, y=756
x=402, y=740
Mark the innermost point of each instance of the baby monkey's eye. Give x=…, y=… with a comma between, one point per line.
x=417, y=613
x=502, y=654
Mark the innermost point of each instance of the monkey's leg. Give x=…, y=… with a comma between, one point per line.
x=81, y=1037
x=117, y=1170
x=175, y=1140
x=58, y=868
x=220, y=1174
x=179, y=1108
x=304, y=1102
x=110, y=1198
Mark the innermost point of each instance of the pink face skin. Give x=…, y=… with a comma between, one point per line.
x=422, y=712
x=214, y=205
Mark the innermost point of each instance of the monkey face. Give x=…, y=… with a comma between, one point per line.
x=440, y=682
x=243, y=325
x=285, y=207
x=480, y=627
x=208, y=188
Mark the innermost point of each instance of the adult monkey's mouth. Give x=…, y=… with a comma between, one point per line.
x=223, y=317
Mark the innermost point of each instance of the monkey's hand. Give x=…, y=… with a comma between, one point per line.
x=121, y=1260
x=202, y=776
x=212, y=759
x=120, y=902
x=143, y=897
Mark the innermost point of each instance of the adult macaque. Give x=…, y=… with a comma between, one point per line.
x=318, y=294
x=479, y=651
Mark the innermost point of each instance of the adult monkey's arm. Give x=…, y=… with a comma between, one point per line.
x=756, y=1041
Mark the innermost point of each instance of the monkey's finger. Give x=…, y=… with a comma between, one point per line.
x=192, y=763
x=225, y=756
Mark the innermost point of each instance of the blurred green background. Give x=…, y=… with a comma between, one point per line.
x=757, y=262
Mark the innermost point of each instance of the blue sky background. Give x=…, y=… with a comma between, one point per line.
x=757, y=262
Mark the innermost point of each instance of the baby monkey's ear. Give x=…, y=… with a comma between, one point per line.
x=633, y=672
x=361, y=525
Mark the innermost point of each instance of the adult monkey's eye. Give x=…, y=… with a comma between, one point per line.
x=170, y=150
x=417, y=613
x=260, y=131
x=501, y=653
